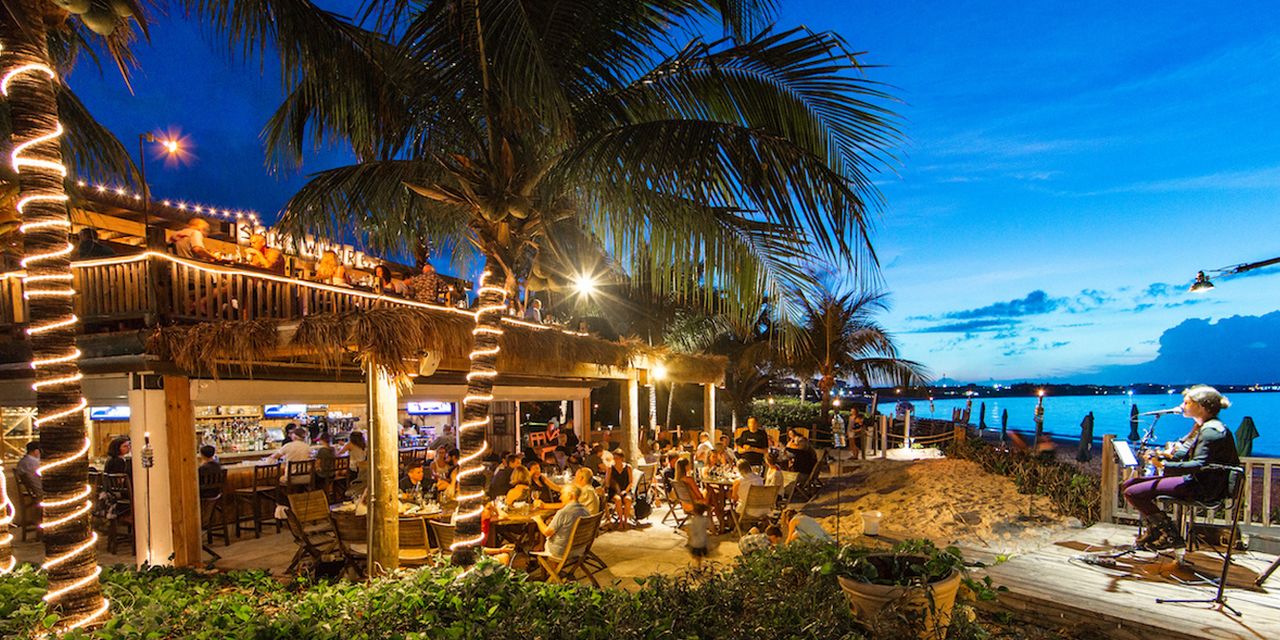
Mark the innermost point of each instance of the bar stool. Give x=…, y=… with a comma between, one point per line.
x=118, y=489
x=266, y=481
x=337, y=485
x=213, y=518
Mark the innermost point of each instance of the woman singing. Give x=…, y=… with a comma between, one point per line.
x=1183, y=474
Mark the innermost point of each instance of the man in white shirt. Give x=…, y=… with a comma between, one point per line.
x=534, y=312
x=739, y=491
x=295, y=450
x=189, y=242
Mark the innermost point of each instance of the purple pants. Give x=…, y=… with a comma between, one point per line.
x=1142, y=492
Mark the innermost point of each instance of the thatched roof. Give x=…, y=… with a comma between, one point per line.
x=396, y=337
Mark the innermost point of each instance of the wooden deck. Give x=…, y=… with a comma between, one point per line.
x=1052, y=583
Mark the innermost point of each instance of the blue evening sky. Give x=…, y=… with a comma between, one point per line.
x=1069, y=167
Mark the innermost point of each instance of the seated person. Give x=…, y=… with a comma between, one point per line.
x=618, y=483
x=519, y=490
x=704, y=448
x=797, y=526
x=739, y=491
x=263, y=256
x=595, y=459
x=209, y=465
x=803, y=457
x=773, y=470
x=442, y=470
x=189, y=241
x=411, y=484
x=588, y=496
x=325, y=457
x=500, y=484
x=558, y=530
x=27, y=470
x=683, y=476
x=329, y=271
x=540, y=485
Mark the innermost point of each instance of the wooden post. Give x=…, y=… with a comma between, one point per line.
x=631, y=418
x=709, y=411
x=884, y=436
x=384, y=462
x=184, y=483
x=960, y=434
x=1108, y=484
x=906, y=430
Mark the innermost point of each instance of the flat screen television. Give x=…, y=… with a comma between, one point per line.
x=105, y=414
x=284, y=410
x=430, y=408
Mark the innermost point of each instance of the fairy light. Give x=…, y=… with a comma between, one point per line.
x=7, y=512
x=73, y=589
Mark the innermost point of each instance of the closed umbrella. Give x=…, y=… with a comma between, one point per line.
x=1245, y=434
x=1086, y=439
x=1039, y=418
x=982, y=417
x=1134, y=436
x=1004, y=424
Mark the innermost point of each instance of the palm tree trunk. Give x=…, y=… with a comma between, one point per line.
x=71, y=560
x=671, y=399
x=475, y=415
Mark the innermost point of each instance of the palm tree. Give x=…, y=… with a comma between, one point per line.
x=36, y=100
x=718, y=166
x=839, y=339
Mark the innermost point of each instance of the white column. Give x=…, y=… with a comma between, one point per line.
x=906, y=430
x=709, y=411
x=517, y=426
x=152, y=517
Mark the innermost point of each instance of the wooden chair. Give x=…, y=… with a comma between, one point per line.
x=415, y=544
x=566, y=568
x=406, y=456
x=443, y=532
x=683, y=496
x=759, y=503
x=311, y=526
x=27, y=507
x=213, y=518
x=300, y=476
x=266, y=481
x=341, y=479
x=353, y=541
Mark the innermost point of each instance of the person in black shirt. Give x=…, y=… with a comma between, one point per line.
x=1183, y=468
x=803, y=457
x=540, y=485
x=411, y=481
x=116, y=456
x=501, y=482
x=753, y=443
x=209, y=467
x=618, y=483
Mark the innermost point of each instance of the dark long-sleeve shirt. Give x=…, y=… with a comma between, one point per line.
x=1212, y=445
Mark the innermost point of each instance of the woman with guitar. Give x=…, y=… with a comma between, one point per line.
x=1181, y=468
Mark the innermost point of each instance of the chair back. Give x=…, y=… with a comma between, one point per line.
x=759, y=499
x=583, y=534
x=683, y=492
x=299, y=472
x=211, y=483
x=443, y=532
x=646, y=472
x=119, y=485
x=309, y=507
x=342, y=466
x=350, y=528
x=266, y=476
x=413, y=534
x=406, y=456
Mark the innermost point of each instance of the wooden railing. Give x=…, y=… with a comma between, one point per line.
x=1261, y=502
x=154, y=288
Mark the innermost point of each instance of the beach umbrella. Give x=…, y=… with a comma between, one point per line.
x=982, y=417
x=1245, y=434
x=1086, y=439
x=1134, y=436
x=1004, y=424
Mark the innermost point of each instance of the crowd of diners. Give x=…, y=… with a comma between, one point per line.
x=426, y=285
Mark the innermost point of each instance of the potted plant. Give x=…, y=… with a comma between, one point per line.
x=916, y=579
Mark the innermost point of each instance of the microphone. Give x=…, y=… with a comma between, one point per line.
x=1161, y=412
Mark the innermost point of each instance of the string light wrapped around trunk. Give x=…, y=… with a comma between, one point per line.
x=29, y=87
x=476, y=419
x=7, y=512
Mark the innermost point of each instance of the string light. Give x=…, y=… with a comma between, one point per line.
x=72, y=590
x=7, y=512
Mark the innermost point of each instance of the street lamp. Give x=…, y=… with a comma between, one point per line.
x=1203, y=283
x=171, y=148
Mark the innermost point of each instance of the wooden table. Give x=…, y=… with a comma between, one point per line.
x=519, y=528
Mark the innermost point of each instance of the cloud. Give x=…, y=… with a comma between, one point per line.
x=1031, y=344
x=1235, y=350
x=970, y=326
x=1035, y=303
x=1248, y=180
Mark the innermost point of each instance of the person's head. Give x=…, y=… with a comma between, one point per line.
x=723, y=441
x=562, y=437
x=1204, y=402
x=519, y=476
x=88, y=235
x=619, y=458
x=511, y=460
x=428, y=269
x=535, y=468
x=414, y=471
x=324, y=440
x=583, y=477
x=792, y=434
x=774, y=533
x=328, y=260
x=699, y=509
x=357, y=439
x=258, y=241
x=771, y=459
x=537, y=304
x=787, y=515
x=33, y=449
x=753, y=424
x=442, y=454
x=198, y=224
x=704, y=437
x=570, y=493
x=119, y=447
x=207, y=452
x=300, y=434
x=744, y=467
x=597, y=448
x=381, y=273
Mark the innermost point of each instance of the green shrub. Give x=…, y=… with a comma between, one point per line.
x=785, y=413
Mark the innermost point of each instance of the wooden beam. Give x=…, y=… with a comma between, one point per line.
x=184, y=492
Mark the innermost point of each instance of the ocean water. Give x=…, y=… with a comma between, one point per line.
x=1062, y=415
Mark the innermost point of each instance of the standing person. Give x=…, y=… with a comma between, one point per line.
x=618, y=482
x=1182, y=465
x=699, y=527
x=189, y=241
x=445, y=440
x=426, y=286
x=753, y=443
x=28, y=470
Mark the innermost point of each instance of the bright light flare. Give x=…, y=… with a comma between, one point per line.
x=585, y=285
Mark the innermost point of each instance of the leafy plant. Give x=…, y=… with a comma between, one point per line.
x=1071, y=492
